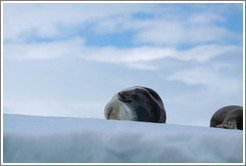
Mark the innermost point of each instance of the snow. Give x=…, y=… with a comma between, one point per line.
x=33, y=139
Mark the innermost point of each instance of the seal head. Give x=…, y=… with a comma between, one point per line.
x=136, y=104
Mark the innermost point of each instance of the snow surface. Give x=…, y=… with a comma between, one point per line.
x=79, y=140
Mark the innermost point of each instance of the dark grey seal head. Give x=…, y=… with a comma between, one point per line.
x=229, y=117
x=136, y=104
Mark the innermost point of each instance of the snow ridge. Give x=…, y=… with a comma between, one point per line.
x=33, y=139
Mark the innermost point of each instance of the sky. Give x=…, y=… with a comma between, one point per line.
x=69, y=59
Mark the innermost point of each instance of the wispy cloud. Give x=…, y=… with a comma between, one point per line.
x=138, y=55
x=188, y=30
x=128, y=55
x=168, y=26
x=135, y=57
x=208, y=77
x=203, y=53
x=53, y=20
x=42, y=50
x=51, y=107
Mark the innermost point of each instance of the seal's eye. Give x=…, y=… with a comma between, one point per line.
x=134, y=95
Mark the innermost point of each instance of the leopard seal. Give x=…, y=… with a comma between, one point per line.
x=229, y=117
x=136, y=104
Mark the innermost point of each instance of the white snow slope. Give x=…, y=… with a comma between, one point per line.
x=76, y=140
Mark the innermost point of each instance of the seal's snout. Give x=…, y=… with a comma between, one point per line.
x=124, y=97
x=120, y=95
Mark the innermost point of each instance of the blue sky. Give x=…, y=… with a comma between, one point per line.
x=70, y=59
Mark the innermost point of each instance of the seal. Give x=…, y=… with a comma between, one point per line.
x=136, y=104
x=229, y=117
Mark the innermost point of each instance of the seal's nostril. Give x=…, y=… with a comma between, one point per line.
x=119, y=94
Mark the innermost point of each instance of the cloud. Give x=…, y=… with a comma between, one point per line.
x=209, y=78
x=134, y=57
x=142, y=66
x=205, y=18
x=166, y=24
x=76, y=47
x=53, y=20
x=42, y=50
x=127, y=55
x=50, y=107
x=176, y=32
x=203, y=53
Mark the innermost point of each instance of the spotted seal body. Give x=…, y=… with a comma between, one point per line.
x=136, y=104
x=229, y=117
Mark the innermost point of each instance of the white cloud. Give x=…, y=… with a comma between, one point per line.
x=127, y=55
x=203, y=53
x=205, y=18
x=142, y=66
x=208, y=77
x=173, y=32
x=167, y=26
x=135, y=57
x=47, y=20
x=76, y=47
x=50, y=107
x=160, y=32
x=27, y=51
